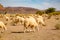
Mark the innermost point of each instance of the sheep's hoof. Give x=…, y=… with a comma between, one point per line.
x=26, y=31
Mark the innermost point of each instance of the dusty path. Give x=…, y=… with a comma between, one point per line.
x=41, y=35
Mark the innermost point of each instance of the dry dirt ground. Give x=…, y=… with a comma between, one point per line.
x=47, y=32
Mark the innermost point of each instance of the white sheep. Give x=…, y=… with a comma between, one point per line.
x=2, y=25
x=20, y=19
x=40, y=19
x=30, y=22
x=6, y=17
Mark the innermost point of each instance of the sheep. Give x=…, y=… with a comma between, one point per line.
x=30, y=22
x=40, y=19
x=20, y=19
x=2, y=25
x=1, y=15
x=6, y=17
x=45, y=15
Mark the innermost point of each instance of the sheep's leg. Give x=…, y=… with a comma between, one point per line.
x=4, y=28
x=25, y=29
x=0, y=30
x=33, y=29
x=22, y=22
x=37, y=28
x=25, y=26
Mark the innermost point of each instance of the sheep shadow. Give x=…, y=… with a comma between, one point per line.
x=55, y=29
x=21, y=32
x=17, y=32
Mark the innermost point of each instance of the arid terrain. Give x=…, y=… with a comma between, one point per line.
x=29, y=19
x=48, y=32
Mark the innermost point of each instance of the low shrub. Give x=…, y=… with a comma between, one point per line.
x=57, y=26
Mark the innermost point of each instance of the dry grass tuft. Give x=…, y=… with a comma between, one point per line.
x=57, y=26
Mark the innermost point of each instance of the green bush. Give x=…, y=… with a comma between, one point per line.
x=39, y=12
x=50, y=10
x=54, y=13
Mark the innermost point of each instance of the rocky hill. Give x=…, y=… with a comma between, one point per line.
x=19, y=10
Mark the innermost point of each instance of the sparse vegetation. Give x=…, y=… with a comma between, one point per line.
x=50, y=10
x=39, y=12
x=55, y=13
x=57, y=18
x=57, y=26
